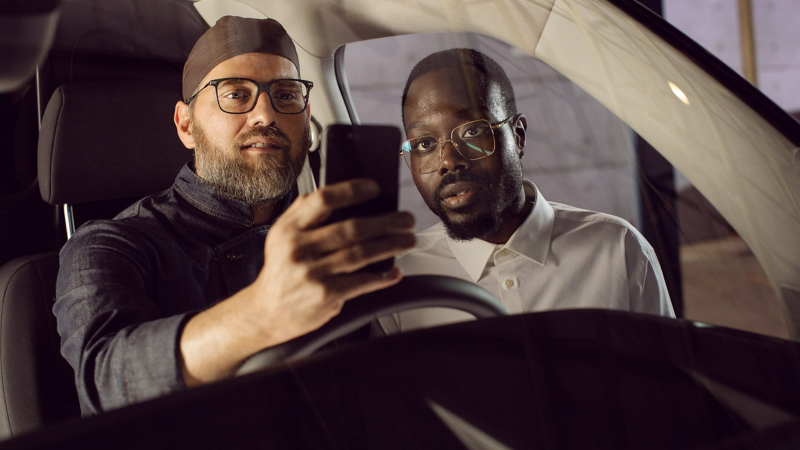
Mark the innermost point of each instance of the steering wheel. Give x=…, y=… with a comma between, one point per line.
x=412, y=292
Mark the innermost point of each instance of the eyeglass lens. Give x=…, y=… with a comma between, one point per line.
x=473, y=140
x=239, y=95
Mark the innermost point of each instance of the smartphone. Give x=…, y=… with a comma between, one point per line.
x=364, y=151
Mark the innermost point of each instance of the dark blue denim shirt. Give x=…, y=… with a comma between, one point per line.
x=127, y=286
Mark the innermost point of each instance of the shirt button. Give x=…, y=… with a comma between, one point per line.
x=233, y=257
x=502, y=253
x=509, y=283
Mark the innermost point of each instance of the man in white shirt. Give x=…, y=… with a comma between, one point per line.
x=466, y=142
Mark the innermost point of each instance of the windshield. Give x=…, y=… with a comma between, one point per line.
x=647, y=251
x=581, y=154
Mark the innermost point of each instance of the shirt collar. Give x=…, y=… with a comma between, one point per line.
x=531, y=239
x=207, y=199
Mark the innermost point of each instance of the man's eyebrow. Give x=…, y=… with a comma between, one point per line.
x=466, y=113
x=416, y=124
x=469, y=113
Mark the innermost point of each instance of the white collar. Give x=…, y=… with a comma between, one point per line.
x=531, y=239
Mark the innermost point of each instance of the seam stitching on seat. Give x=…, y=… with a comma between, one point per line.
x=53, y=145
x=44, y=299
x=2, y=373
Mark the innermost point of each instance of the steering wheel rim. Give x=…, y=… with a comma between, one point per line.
x=412, y=292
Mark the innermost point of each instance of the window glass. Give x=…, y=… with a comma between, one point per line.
x=580, y=154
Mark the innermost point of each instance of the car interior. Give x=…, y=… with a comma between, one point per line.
x=95, y=52
x=89, y=130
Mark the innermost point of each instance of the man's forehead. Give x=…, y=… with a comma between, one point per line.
x=454, y=92
x=450, y=79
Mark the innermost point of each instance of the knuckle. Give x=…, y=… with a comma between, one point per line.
x=354, y=228
x=297, y=255
x=320, y=290
x=295, y=245
x=278, y=229
x=356, y=254
x=336, y=306
x=302, y=202
x=324, y=199
x=312, y=276
x=327, y=295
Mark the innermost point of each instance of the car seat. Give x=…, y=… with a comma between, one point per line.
x=121, y=147
x=95, y=40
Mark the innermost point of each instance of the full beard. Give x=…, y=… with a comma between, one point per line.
x=466, y=226
x=258, y=179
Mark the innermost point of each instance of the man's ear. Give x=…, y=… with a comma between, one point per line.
x=182, y=124
x=520, y=130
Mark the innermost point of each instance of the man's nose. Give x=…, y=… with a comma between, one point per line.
x=263, y=113
x=452, y=160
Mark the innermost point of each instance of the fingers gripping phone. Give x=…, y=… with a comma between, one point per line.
x=364, y=151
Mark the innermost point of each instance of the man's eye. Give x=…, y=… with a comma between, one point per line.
x=473, y=132
x=235, y=95
x=424, y=145
x=285, y=95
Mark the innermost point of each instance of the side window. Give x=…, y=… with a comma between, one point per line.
x=580, y=154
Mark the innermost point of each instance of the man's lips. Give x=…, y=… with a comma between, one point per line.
x=263, y=145
x=458, y=194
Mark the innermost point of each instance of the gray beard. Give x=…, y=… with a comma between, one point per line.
x=265, y=179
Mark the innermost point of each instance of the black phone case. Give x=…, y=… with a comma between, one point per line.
x=365, y=151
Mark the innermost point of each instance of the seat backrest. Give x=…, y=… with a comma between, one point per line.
x=99, y=141
x=105, y=143
x=37, y=384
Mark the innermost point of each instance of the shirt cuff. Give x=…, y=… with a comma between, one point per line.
x=152, y=365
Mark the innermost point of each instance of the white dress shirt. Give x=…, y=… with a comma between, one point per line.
x=560, y=257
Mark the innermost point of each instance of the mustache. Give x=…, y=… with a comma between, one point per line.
x=269, y=132
x=454, y=177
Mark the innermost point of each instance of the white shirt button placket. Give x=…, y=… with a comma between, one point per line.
x=509, y=283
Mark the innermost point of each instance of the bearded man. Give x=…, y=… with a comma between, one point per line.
x=465, y=148
x=181, y=287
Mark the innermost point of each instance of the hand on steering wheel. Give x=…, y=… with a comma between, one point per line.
x=420, y=291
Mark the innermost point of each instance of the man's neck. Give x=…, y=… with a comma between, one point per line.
x=510, y=223
x=265, y=212
x=510, y=220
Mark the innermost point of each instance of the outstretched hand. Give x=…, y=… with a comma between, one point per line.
x=310, y=270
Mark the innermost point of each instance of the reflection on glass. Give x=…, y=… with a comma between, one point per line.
x=581, y=154
x=678, y=92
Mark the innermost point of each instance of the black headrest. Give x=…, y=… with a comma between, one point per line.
x=26, y=35
x=109, y=140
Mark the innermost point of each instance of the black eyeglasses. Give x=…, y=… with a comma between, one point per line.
x=473, y=140
x=239, y=95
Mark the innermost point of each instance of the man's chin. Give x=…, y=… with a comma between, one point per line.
x=466, y=227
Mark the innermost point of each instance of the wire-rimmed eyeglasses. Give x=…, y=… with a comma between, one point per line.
x=239, y=95
x=473, y=140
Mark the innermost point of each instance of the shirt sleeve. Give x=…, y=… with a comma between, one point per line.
x=646, y=286
x=114, y=336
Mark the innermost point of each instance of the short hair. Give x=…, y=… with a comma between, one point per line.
x=463, y=57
